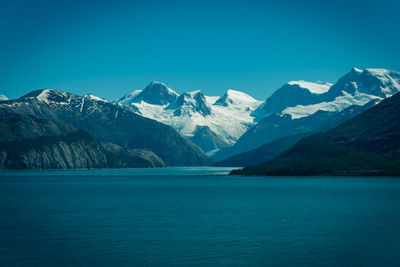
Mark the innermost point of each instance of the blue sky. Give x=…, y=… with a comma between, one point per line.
x=109, y=48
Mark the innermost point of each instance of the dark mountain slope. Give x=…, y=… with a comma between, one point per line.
x=368, y=144
x=111, y=123
x=207, y=139
x=127, y=158
x=30, y=142
x=262, y=153
x=275, y=126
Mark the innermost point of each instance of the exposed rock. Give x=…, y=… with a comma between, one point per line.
x=139, y=158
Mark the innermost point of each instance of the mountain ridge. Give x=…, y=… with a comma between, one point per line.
x=354, y=88
x=367, y=144
x=98, y=117
x=227, y=116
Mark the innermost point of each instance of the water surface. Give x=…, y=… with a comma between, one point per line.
x=158, y=217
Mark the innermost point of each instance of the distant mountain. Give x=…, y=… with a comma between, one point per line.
x=368, y=144
x=155, y=93
x=3, y=98
x=227, y=117
x=111, y=123
x=292, y=94
x=324, y=108
x=263, y=153
x=276, y=126
x=207, y=139
x=378, y=82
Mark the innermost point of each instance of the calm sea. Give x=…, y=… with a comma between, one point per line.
x=185, y=216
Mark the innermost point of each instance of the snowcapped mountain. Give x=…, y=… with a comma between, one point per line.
x=300, y=98
x=3, y=98
x=226, y=117
x=292, y=94
x=308, y=103
x=155, y=93
x=355, y=88
x=190, y=102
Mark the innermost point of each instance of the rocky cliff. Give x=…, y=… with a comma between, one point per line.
x=29, y=142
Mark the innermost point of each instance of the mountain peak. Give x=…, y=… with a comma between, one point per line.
x=233, y=97
x=48, y=95
x=156, y=93
x=3, y=98
x=314, y=87
x=292, y=94
x=356, y=70
x=373, y=81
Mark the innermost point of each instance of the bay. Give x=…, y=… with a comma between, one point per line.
x=188, y=216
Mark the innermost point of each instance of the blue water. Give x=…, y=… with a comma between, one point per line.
x=158, y=217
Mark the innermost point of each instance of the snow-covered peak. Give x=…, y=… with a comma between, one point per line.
x=236, y=98
x=378, y=82
x=49, y=96
x=357, y=87
x=356, y=70
x=234, y=94
x=313, y=87
x=292, y=94
x=3, y=98
x=155, y=93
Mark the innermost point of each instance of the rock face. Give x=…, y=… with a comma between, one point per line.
x=207, y=139
x=29, y=142
x=368, y=144
x=191, y=102
x=111, y=123
x=138, y=158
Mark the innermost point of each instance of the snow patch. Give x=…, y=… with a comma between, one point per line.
x=96, y=98
x=313, y=87
x=43, y=96
x=339, y=104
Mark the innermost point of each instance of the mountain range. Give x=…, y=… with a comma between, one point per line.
x=30, y=142
x=107, y=122
x=157, y=127
x=368, y=144
x=226, y=117
x=285, y=116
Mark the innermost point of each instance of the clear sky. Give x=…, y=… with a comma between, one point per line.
x=109, y=48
